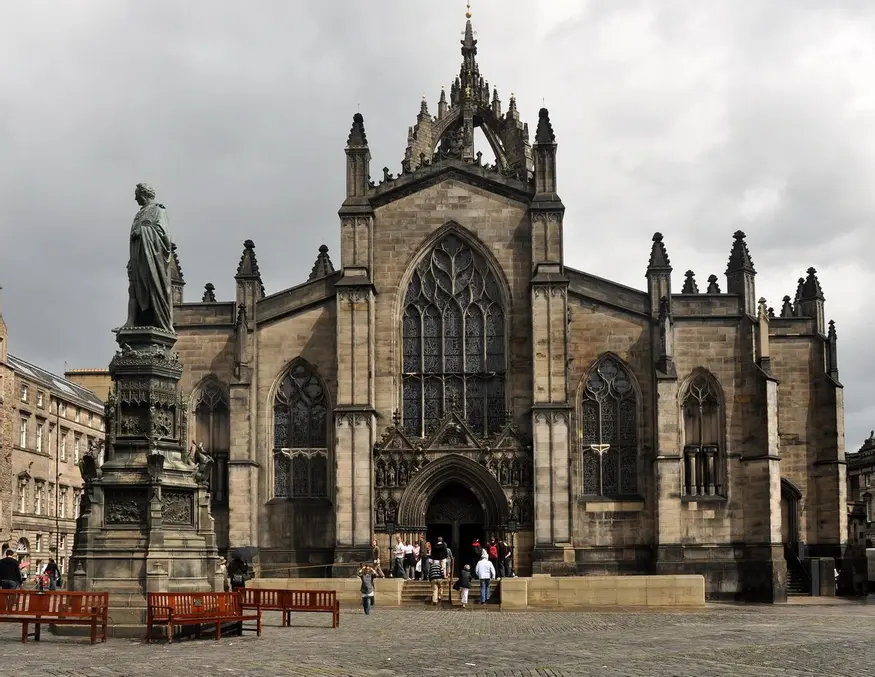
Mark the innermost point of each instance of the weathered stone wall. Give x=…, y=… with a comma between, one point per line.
x=7, y=410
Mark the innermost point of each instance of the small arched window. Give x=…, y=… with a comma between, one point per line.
x=300, y=436
x=703, y=455
x=213, y=430
x=609, y=422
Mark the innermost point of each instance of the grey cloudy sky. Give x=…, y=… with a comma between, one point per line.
x=687, y=117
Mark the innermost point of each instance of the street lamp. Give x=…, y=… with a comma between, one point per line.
x=512, y=527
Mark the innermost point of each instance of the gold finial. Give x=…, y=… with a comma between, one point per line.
x=468, y=12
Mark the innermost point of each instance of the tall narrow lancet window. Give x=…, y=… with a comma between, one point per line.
x=300, y=460
x=454, y=341
x=702, y=448
x=212, y=429
x=609, y=422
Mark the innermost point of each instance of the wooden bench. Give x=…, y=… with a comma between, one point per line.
x=293, y=601
x=55, y=608
x=176, y=609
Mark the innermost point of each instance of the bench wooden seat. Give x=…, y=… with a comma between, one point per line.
x=55, y=608
x=176, y=609
x=293, y=601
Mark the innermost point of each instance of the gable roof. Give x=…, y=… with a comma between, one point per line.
x=61, y=387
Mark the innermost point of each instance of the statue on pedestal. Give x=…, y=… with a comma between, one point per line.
x=150, y=303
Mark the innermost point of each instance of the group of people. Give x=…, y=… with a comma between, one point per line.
x=422, y=560
x=12, y=577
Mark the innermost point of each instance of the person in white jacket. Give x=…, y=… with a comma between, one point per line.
x=485, y=572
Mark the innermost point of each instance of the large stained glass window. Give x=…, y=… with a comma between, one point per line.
x=212, y=429
x=609, y=422
x=300, y=461
x=454, y=341
x=702, y=448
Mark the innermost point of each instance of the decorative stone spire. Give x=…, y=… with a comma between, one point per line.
x=544, y=135
x=811, y=300
x=690, y=286
x=544, y=152
x=323, y=265
x=797, y=300
x=176, y=280
x=762, y=352
x=832, y=360
x=358, y=162
x=658, y=277
x=713, y=287
x=658, y=255
x=443, y=106
x=247, y=269
x=357, y=137
x=209, y=293
x=740, y=274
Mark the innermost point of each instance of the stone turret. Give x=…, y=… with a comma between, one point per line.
x=740, y=274
x=811, y=300
x=176, y=280
x=250, y=289
x=358, y=162
x=323, y=266
x=544, y=153
x=690, y=286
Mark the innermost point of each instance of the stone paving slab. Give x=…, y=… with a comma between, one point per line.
x=719, y=641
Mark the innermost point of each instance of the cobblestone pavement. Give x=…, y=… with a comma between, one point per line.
x=719, y=641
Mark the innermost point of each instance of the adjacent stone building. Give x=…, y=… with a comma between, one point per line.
x=861, y=492
x=40, y=482
x=455, y=377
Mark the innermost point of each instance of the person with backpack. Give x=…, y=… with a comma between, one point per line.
x=463, y=584
x=436, y=576
x=493, y=556
x=237, y=572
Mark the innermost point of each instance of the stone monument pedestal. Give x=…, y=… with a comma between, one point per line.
x=145, y=523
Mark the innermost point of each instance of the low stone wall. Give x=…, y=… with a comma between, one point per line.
x=387, y=590
x=578, y=592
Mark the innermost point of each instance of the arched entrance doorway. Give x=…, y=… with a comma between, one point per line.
x=790, y=498
x=456, y=515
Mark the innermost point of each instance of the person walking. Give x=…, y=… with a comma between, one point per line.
x=10, y=572
x=435, y=575
x=237, y=572
x=439, y=553
x=485, y=572
x=463, y=585
x=367, y=574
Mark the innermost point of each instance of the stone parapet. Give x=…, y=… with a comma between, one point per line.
x=579, y=592
x=387, y=590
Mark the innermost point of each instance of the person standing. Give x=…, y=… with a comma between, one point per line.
x=52, y=573
x=485, y=572
x=377, y=559
x=223, y=571
x=464, y=584
x=439, y=553
x=10, y=572
x=398, y=564
x=367, y=575
x=435, y=575
x=237, y=572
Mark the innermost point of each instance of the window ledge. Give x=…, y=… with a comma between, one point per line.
x=703, y=499
x=610, y=504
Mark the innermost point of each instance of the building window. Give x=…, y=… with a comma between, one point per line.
x=40, y=396
x=213, y=430
x=102, y=425
x=454, y=341
x=22, y=433
x=22, y=495
x=62, y=409
x=76, y=415
x=90, y=419
x=300, y=436
x=23, y=392
x=702, y=436
x=38, y=498
x=77, y=439
x=50, y=504
x=39, y=437
x=62, y=503
x=609, y=428
x=62, y=544
x=38, y=544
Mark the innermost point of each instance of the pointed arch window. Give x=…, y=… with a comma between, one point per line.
x=454, y=341
x=703, y=454
x=213, y=429
x=300, y=434
x=609, y=430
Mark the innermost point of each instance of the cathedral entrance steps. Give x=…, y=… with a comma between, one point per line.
x=418, y=593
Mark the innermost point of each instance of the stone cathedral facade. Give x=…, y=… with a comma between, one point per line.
x=455, y=376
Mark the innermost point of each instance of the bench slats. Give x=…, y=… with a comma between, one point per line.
x=289, y=601
x=175, y=609
x=55, y=607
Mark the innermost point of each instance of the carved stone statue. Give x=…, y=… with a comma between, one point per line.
x=204, y=462
x=91, y=462
x=150, y=303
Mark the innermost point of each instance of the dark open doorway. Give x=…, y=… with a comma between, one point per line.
x=456, y=515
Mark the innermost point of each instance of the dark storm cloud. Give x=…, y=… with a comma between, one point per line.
x=694, y=119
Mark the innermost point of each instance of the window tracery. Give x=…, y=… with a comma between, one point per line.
x=453, y=341
x=609, y=423
x=702, y=448
x=213, y=430
x=300, y=436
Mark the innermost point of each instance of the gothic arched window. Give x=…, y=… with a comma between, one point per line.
x=702, y=448
x=300, y=435
x=454, y=341
x=213, y=429
x=609, y=421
